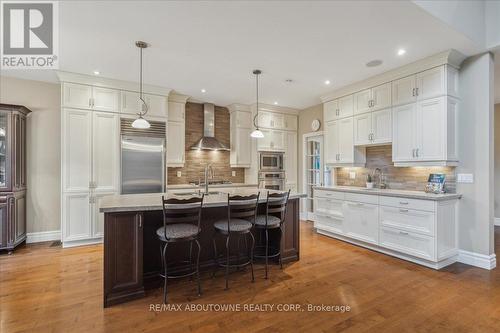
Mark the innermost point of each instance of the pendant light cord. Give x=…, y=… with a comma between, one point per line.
x=257, y=114
x=145, y=106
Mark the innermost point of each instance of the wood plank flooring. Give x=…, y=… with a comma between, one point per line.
x=50, y=289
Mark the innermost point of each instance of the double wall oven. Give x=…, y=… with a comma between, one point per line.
x=271, y=171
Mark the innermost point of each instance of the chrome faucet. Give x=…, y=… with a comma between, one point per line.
x=380, y=176
x=209, y=173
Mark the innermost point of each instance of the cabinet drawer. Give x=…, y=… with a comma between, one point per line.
x=330, y=207
x=365, y=198
x=329, y=223
x=418, y=221
x=329, y=194
x=411, y=243
x=418, y=204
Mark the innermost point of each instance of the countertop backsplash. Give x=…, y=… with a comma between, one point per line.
x=401, y=178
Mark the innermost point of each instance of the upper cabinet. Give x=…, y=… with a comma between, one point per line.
x=276, y=120
x=372, y=99
x=273, y=140
x=156, y=104
x=241, y=142
x=176, y=129
x=339, y=108
x=339, y=144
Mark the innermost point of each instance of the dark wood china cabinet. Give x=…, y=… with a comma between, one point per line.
x=12, y=175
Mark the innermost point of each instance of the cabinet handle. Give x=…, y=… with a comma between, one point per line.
x=413, y=92
x=413, y=152
x=416, y=91
x=403, y=202
x=404, y=233
x=416, y=152
x=90, y=102
x=140, y=221
x=403, y=210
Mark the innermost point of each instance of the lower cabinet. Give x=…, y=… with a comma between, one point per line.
x=12, y=220
x=422, y=231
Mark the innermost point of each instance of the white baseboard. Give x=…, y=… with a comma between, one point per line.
x=43, y=236
x=477, y=259
x=82, y=242
x=497, y=221
x=303, y=216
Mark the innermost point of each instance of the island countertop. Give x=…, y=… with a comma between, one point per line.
x=148, y=202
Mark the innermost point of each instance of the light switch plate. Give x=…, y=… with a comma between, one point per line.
x=233, y=173
x=352, y=175
x=179, y=173
x=467, y=178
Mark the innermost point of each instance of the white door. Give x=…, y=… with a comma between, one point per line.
x=77, y=96
x=97, y=218
x=175, y=143
x=345, y=106
x=430, y=129
x=130, y=102
x=264, y=143
x=76, y=150
x=291, y=158
x=330, y=110
x=290, y=122
x=105, y=99
x=403, y=90
x=176, y=111
x=278, y=140
x=362, y=101
x=243, y=146
x=331, y=142
x=76, y=216
x=381, y=96
x=403, y=135
x=157, y=105
x=382, y=126
x=105, y=151
x=361, y=221
x=431, y=83
x=346, y=140
x=362, y=129
x=265, y=119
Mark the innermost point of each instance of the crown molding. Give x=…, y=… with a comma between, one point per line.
x=450, y=57
x=238, y=107
x=110, y=83
x=177, y=98
x=274, y=108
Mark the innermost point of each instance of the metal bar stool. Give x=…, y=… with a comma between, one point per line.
x=241, y=213
x=181, y=223
x=276, y=204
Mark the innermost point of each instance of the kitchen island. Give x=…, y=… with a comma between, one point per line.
x=131, y=248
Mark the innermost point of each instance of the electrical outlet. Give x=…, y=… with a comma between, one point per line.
x=233, y=173
x=467, y=178
x=179, y=173
x=352, y=175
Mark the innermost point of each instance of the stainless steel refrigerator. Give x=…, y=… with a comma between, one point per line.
x=143, y=164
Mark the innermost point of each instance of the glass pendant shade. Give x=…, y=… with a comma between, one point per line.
x=257, y=133
x=141, y=123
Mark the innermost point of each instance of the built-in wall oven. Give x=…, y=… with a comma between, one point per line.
x=271, y=171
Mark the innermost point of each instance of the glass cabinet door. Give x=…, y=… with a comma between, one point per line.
x=4, y=151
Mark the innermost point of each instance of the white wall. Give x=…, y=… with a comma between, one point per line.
x=475, y=125
x=497, y=160
x=492, y=19
x=43, y=148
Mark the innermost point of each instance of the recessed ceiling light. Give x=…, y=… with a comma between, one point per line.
x=96, y=72
x=374, y=63
x=203, y=91
x=288, y=80
x=401, y=52
x=327, y=82
x=275, y=103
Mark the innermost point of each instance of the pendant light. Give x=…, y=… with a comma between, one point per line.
x=140, y=122
x=257, y=133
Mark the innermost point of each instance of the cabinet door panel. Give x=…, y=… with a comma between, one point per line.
x=346, y=106
x=330, y=110
x=106, y=99
x=278, y=140
x=381, y=96
x=403, y=90
x=157, y=105
x=244, y=146
x=362, y=101
x=176, y=111
x=408, y=242
x=130, y=102
x=291, y=157
x=97, y=217
x=264, y=143
x=77, y=96
x=346, y=140
x=20, y=221
x=243, y=119
x=361, y=221
x=403, y=142
x=430, y=133
x=382, y=126
x=4, y=220
x=431, y=83
x=175, y=143
x=290, y=122
x=362, y=129
x=277, y=120
x=331, y=142
x=77, y=149
x=105, y=150
x=76, y=216
x=265, y=119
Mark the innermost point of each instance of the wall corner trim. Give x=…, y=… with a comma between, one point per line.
x=497, y=221
x=477, y=259
x=43, y=236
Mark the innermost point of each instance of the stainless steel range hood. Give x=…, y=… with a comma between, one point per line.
x=208, y=141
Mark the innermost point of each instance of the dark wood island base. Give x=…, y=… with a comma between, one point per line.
x=132, y=250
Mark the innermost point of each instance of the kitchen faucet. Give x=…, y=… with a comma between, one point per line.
x=209, y=173
x=380, y=175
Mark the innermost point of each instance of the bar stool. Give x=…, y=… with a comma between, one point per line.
x=241, y=213
x=181, y=223
x=276, y=204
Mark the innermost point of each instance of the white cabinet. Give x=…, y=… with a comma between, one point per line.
x=339, y=144
x=77, y=96
x=157, y=105
x=331, y=142
x=339, y=108
x=105, y=99
x=97, y=218
x=105, y=152
x=346, y=143
x=413, y=244
x=375, y=98
x=373, y=128
x=424, y=133
x=361, y=221
x=275, y=120
x=273, y=140
x=131, y=104
x=176, y=111
x=176, y=134
x=290, y=122
x=291, y=158
x=362, y=101
x=403, y=90
x=241, y=142
x=330, y=110
x=431, y=83
x=76, y=217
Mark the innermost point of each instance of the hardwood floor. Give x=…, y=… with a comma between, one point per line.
x=49, y=289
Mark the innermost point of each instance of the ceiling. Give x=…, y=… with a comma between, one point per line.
x=497, y=77
x=216, y=45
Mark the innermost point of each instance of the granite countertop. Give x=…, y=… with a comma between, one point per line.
x=145, y=202
x=393, y=193
x=193, y=186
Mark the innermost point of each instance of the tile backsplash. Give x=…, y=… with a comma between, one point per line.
x=403, y=178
